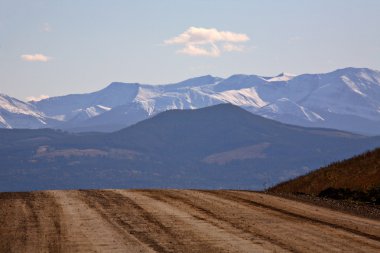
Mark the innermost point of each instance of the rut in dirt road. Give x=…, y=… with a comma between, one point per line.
x=30, y=221
x=176, y=221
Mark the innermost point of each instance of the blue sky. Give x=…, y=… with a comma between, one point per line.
x=53, y=48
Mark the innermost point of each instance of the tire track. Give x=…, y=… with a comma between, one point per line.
x=206, y=234
x=29, y=221
x=234, y=197
x=201, y=212
x=176, y=221
x=87, y=231
x=322, y=239
x=129, y=217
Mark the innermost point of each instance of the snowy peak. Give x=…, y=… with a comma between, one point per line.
x=17, y=114
x=360, y=80
x=13, y=105
x=282, y=77
x=346, y=99
x=198, y=81
x=70, y=106
x=237, y=82
x=120, y=86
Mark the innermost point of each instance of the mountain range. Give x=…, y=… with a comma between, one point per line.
x=221, y=146
x=345, y=99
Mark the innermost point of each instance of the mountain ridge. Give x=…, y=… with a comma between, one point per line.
x=350, y=95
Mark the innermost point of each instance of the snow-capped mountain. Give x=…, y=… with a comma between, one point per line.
x=346, y=99
x=17, y=114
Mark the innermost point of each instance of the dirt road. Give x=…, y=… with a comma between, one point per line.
x=176, y=221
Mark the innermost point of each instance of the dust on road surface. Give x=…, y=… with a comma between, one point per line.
x=176, y=221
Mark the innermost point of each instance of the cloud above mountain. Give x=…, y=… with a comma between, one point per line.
x=35, y=58
x=198, y=41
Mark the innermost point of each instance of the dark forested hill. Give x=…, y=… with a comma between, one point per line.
x=222, y=146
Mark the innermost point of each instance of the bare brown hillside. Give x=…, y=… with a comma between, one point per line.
x=360, y=173
x=176, y=221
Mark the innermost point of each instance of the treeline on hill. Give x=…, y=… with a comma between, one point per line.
x=371, y=196
x=221, y=146
x=357, y=179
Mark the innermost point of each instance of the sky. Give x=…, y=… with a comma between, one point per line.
x=52, y=47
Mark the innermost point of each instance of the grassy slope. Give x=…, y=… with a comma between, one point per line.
x=360, y=173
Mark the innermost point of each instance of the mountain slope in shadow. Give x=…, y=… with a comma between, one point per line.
x=222, y=146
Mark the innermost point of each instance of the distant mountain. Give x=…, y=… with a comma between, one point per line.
x=221, y=146
x=68, y=108
x=359, y=173
x=125, y=104
x=17, y=114
x=346, y=99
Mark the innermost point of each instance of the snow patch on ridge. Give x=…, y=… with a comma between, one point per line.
x=284, y=106
x=13, y=105
x=243, y=97
x=283, y=77
x=352, y=85
x=4, y=123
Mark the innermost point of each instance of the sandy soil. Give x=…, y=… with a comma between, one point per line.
x=176, y=221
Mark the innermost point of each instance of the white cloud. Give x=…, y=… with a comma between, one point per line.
x=35, y=57
x=228, y=47
x=191, y=49
x=198, y=41
x=38, y=98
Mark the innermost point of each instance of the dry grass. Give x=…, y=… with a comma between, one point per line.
x=360, y=173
